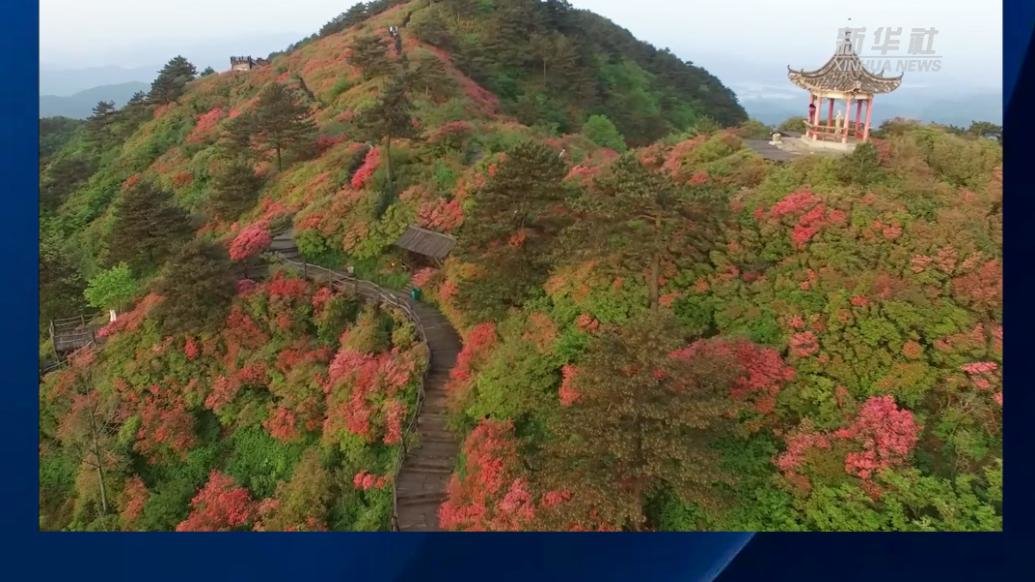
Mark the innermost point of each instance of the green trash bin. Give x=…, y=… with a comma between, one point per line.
x=416, y=293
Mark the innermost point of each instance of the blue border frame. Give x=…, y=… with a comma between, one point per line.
x=47, y=556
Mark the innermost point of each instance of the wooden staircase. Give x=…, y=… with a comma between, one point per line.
x=420, y=487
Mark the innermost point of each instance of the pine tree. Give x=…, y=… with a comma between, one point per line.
x=641, y=418
x=638, y=221
x=282, y=122
x=511, y=228
x=172, y=81
x=235, y=142
x=557, y=56
x=431, y=78
x=99, y=124
x=135, y=112
x=353, y=15
x=197, y=286
x=148, y=227
x=61, y=286
x=63, y=176
x=391, y=117
x=370, y=54
x=234, y=190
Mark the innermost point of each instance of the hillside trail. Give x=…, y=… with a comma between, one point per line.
x=420, y=487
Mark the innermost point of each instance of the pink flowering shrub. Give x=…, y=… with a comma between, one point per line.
x=568, y=393
x=221, y=505
x=760, y=371
x=365, y=481
x=886, y=433
x=371, y=163
x=205, y=124
x=492, y=495
x=478, y=342
x=441, y=215
x=250, y=242
x=882, y=435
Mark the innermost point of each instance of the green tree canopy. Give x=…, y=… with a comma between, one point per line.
x=642, y=419
x=172, y=81
x=511, y=227
x=148, y=227
x=370, y=54
x=99, y=124
x=390, y=117
x=282, y=122
x=197, y=286
x=113, y=288
x=600, y=130
x=639, y=221
x=235, y=188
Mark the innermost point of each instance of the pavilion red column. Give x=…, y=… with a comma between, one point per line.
x=869, y=118
x=858, y=117
x=813, y=113
x=848, y=119
x=830, y=113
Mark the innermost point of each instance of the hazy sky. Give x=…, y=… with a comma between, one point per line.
x=738, y=40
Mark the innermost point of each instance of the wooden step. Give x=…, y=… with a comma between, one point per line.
x=438, y=436
x=422, y=499
x=434, y=469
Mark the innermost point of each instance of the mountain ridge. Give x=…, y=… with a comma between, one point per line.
x=79, y=105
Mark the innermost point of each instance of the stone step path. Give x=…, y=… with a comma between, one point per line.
x=421, y=484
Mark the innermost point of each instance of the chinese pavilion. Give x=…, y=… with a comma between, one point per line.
x=844, y=77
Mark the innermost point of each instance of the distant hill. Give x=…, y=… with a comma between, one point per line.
x=79, y=105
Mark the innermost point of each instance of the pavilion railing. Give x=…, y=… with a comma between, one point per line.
x=827, y=132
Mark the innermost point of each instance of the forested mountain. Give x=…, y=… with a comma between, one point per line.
x=662, y=330
x=78, y=105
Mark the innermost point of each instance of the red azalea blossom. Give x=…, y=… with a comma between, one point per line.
x=371, y=163
x=568, y=393
x=191, y=349
x=321, y=298
x=135, y=496
x=886, y=433
x=441, y=215
x=491, y=496
x=394, y=417
x=205, y=124
x=804, y=344
x=478, y=342
x=365, y=481
x=422, y=277
x=761, y=372
x=221, y=505
x=251, y=241
x=587, y=323
x=282, y=425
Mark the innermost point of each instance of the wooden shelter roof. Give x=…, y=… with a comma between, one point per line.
x=844, y=73
x=425, y=242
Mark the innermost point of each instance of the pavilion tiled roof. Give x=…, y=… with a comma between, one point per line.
x=425, y=242
x=844, y=73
